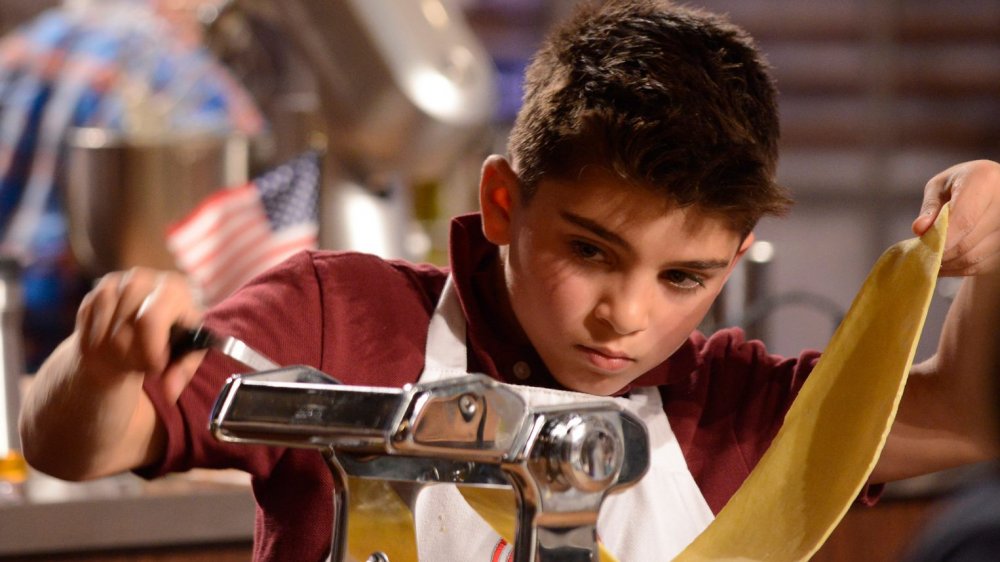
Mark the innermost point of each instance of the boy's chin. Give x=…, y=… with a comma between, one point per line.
x=597, y=387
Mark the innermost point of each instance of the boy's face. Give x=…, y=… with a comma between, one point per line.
x=606, y=279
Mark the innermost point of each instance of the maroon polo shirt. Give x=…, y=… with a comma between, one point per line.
x=364, y=320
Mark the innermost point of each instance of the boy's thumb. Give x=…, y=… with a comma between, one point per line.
x=929, y=211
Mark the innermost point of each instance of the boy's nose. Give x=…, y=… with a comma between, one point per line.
x=625, y=308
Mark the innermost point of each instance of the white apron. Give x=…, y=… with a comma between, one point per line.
x=653, y=520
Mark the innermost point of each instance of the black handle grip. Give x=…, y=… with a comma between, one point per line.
x=185, y=340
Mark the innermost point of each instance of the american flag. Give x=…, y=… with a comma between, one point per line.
x=237, y=233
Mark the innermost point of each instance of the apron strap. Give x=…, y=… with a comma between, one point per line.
x=446, y=350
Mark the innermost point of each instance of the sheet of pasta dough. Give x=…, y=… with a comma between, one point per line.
x=835, y=429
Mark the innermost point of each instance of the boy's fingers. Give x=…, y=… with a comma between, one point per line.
x=975, y=218
x=923, y=222
x=152, y=325
x=168, y=303
x=125, y=320
x=965, y=231
x=84, y=317
x=966, y=269
x=975, y=253
x=177, y=375
x=133, y=287
x=98, y=315
x=122, y=337
x=936, y=193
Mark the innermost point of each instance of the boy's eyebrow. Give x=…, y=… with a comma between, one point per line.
x=601, y=232
x=702, y=265
x=594, y=228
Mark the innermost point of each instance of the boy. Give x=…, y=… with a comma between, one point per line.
x=641, y=161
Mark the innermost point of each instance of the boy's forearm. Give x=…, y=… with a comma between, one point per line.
x=946, y=417
x=968, y=355
x=954, y=390
x=77, y=426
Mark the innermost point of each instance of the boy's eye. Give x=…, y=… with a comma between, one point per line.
x=683, y=279
x=586, y=250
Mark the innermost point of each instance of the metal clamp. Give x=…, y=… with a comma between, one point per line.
x=562, y=461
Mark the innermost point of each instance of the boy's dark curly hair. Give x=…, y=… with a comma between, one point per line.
x=668, y=97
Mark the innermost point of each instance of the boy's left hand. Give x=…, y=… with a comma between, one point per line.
x=973, y=240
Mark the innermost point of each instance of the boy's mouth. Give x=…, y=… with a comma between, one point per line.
x=606, y=359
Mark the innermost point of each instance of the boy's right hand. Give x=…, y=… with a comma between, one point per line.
x=123, y=327
x=85, y=414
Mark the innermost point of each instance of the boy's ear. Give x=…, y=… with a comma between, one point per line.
x=498, y=190
x=747, y=242
x=744, y=246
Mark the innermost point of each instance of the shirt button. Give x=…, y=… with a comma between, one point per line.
x=521, y=370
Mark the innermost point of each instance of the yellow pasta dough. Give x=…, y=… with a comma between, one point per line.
x=835, y=429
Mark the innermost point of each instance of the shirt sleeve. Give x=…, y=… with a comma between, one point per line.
x=259, y=314
x=359, y=318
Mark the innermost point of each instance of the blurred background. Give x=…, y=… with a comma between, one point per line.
x=118, y=118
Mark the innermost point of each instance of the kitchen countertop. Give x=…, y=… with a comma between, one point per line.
x=45, y=515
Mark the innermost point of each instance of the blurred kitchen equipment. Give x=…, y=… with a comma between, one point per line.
x=748, y=299
x=562, y=461
x=756, y=288
x=746, y=289
x=404, y=85
x=122, y=193
x=12, y=466
x=402, y=92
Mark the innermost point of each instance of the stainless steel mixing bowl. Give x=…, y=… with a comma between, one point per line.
x=122, y=194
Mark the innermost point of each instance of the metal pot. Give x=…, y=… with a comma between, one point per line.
x=123, y=193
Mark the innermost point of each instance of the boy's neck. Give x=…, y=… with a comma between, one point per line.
x=494, y=297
